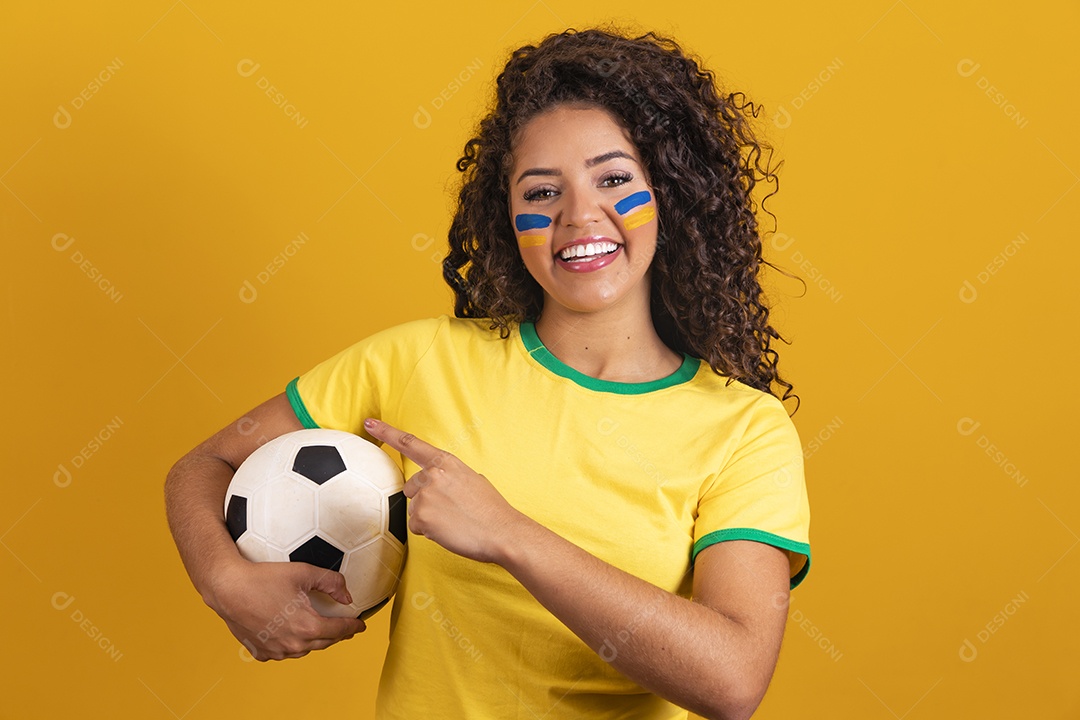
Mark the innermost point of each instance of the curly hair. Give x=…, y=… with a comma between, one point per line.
x=703, y=160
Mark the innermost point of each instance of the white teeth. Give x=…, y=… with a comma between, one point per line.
x=588, y=250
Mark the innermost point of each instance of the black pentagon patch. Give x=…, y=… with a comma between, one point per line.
x=318, y=463
x=372, y=610
x=399, y=521
x=317, y=551
x=236, y=516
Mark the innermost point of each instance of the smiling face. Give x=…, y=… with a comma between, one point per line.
x=582, y=209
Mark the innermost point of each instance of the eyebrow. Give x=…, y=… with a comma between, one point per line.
x=591, y=162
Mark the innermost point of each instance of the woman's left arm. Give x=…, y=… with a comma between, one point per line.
x=713, y=655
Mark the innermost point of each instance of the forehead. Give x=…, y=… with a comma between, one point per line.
x=570, y=131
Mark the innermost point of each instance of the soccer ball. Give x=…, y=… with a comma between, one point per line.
x=328, y=498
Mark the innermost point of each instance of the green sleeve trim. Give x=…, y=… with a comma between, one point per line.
x=298, y=407
x=760, y=536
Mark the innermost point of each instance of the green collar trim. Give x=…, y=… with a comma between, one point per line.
x=543, y=356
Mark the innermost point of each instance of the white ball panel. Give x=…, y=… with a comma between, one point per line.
x=351, y=511
x=372, y=572
x=283, y=511
x=375, y=466
x=259, y=467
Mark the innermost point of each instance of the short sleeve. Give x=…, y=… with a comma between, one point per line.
x=363, y=380
x=760, y=494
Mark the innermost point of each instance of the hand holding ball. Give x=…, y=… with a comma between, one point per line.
x=328, y=498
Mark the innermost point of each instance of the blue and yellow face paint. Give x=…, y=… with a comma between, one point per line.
x=531, y=221
x=641, y=215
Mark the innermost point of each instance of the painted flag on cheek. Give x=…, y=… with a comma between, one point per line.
x=638, y=207
x=531, y=221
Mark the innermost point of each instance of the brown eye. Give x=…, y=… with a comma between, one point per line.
x=540, y=193
x=616, y=179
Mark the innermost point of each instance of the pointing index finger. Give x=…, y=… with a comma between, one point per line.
x=422, y=453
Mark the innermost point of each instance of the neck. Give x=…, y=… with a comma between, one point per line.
x=613, y=344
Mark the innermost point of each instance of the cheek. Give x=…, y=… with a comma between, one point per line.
x=636, y=210
x=532, y=229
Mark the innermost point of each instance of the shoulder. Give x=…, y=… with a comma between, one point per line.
x=743, y=416
x=447, y=323
x=737, y=396
x=421, y=331
x=443, y=333
x=480, y=334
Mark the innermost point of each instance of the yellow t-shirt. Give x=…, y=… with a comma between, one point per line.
x=641, y=475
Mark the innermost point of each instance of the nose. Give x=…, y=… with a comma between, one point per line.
x=581, y=206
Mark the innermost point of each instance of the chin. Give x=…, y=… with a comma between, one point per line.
x=598, y=301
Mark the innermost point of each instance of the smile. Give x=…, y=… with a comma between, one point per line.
x=591, y=260
x=588, y=251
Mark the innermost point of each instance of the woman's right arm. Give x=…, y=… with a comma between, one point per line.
x=259, y=602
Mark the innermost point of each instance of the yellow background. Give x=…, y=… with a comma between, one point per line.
x=940, y=399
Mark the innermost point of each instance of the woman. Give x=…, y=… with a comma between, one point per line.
x=609, y=371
